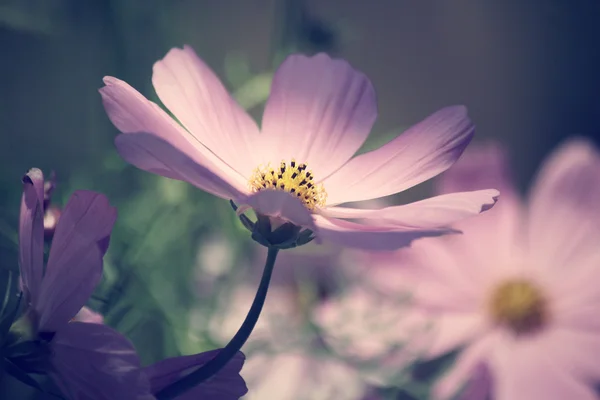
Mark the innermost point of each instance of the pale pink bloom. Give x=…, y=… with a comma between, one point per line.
x=319, y=113
x=284, y=361
x=519, y=290
x=379, y=335
x=299, y=375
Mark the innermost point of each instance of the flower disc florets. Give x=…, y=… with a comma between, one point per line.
x=520, y=306
x=293, y=178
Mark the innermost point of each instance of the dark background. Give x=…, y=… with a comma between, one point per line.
x=527, y=70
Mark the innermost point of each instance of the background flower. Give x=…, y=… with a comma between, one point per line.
x=516, y=292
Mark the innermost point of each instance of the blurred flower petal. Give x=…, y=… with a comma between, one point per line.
x=568, y=190
x=297, y=375
x=480, y=166
x=420, y=153
x=536, y=375
x=320, y=111
x=453, y=330
x=31, y=233
x=89, y=316
x=75, y=262
x=467, y=364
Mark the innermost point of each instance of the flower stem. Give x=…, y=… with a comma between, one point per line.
x=235, y=344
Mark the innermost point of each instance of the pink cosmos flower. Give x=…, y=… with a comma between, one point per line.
x=299, y=166
x=519, y=290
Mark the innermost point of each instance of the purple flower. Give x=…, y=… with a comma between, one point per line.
x=91, y=360
x=85, y=358
x=299, y=167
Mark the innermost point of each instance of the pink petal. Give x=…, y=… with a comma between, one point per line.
x=452, y=330
x=130, y=112
x=93, y=361
x=479, y=386
x=31, y=233
x=88, y=316
x=75, y=262
x=578, y=312
x=320, y=112
x=575, y=351
x=420, y=153
x=279, y=204
x=564, y=214
x=468, y=362
x=434, y=212
x=524, y=371
x=152, y=154
x=194, y=94
x=370, y=237
x=480, y=167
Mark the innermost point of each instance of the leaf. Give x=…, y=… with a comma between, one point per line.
x=10, y=307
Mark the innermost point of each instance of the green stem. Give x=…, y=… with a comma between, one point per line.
x=231, y=349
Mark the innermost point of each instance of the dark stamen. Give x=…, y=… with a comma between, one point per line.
x=294, y=175
x=292, y=190
x=303, y=182
x=293, y=164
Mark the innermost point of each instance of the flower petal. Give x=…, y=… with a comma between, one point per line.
x=423, y=151
x=371, y=237
x=575, y=351
x=153, y=154
x=95, y=361
x=131, y=112
x=320, y=111
x=434, y=212
x=89, y=316
x=564, y=213
x=279, y=204
x=194, y=94
x=227, y=384
x=31, y=233
x=479, y=386
x=75, y=262
x=467, y=363
x=452, y=330
x=480, y=167
x=525, y=370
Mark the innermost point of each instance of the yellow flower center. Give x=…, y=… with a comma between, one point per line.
x=293, y=178
x=519, y=305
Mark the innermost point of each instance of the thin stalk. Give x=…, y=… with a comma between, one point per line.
x=235, y=344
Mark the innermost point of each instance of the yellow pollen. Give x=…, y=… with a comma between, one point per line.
x=293, y=178
x=520, y=306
